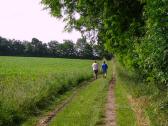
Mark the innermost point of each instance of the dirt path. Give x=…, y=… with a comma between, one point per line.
x=110, y=115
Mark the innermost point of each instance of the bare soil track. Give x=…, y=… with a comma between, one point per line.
x=110, y=115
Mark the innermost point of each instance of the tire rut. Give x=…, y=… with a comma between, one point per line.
x=45, y=120
x=110, y=114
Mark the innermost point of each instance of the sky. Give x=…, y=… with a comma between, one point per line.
x=25, y=19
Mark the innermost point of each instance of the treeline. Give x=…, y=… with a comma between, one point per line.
x=67, y=49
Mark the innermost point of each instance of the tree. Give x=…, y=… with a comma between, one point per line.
x=84, y=49
x=67, y=49
x=53, y=48
x=5, y=46
x=38, y=48
x=70, y=48
x=17, y=47
x=28, y=48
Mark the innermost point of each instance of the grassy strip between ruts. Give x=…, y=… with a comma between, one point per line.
x=125, y=114
x=85, y=109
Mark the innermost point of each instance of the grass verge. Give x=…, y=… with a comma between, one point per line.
x=85, y=109
x=125, y=114
x=149, y=98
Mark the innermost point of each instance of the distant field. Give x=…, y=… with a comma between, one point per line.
x=26, y=82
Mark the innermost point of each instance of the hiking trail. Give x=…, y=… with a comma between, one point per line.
x=110, y=114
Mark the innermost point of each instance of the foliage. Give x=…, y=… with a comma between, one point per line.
x=83, y=48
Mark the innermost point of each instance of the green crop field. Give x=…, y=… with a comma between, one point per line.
x=27, y=84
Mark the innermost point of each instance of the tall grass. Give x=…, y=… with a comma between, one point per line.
x=29, y=84
x=154, y=100
x=124, y=113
